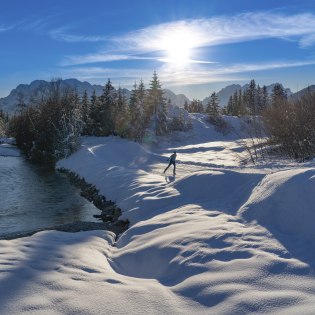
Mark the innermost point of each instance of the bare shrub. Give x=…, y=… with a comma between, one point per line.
x=291, y=125
x=253, y=138
x=220, y=124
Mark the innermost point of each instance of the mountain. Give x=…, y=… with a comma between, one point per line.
x=23, y=93
x=225, y=93
x=302, y=92
x=176, y=99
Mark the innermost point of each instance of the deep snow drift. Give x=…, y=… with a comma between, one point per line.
x=216, y=239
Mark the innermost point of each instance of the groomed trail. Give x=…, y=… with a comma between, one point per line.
x=216, y=239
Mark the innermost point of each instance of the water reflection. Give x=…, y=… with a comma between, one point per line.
x=33, y=197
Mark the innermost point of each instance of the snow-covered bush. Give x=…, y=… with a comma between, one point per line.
x=179, y=119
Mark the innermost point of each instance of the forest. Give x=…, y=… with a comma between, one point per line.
x=49, y=128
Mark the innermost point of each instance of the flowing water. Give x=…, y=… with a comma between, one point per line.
x=33, y=198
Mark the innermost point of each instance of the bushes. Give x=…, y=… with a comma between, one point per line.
x=291, y=125
x=49, y=128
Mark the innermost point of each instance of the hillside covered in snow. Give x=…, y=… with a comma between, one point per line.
x=217, y=238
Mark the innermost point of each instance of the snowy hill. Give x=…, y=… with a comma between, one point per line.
x=216, y=239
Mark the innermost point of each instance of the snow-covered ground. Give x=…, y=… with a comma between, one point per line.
x=7, y=147
x=217, y=239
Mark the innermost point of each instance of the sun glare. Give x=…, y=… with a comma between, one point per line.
x=178, y=48
x=178, y=52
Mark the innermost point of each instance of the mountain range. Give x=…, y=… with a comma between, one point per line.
x=24, y=92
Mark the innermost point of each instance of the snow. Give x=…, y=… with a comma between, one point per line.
x=7, y=147
x=217, y=239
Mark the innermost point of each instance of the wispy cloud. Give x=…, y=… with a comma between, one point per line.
x=173, y=77
x=39, y=25
x=219, y=73
x=155, y=40
x=62, y=34
x=152, y=42
x=221, y=30
x=4, y=28
x=100, y=57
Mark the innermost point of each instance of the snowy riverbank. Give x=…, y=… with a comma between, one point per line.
x=217, y=239
x=8, y=148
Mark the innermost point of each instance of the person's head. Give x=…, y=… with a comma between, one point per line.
x=174, y=152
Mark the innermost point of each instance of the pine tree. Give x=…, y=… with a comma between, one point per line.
x=186, y=106
x=85, y=107
x=265, y=100
x=95, y=124
x=252, y=97
x=139, y=114
x=108, y=110
x=195, y=106
x=278, y=95
x=121, y=114
x=157, y=106
x=229, y=107
x=213, y=106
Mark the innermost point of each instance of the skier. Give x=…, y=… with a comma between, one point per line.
x=172, y=160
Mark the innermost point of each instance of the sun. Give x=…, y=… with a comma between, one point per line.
x=178, y=52
x=178, y=49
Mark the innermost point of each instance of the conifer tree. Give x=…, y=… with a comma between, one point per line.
x=157, y=106
x=95, y=115
x=213, y=106
x=139, y=115
x=252, y=97
x=85, y=107
x=265, y=99
x=108, y=112
x=278, y=95
x=121, y=114
x=186, y=106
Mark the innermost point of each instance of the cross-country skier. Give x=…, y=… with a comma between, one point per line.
x=172, y=160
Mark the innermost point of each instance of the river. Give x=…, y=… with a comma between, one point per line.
x=33, y=198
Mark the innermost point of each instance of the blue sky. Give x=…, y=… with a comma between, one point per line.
x=195, y=46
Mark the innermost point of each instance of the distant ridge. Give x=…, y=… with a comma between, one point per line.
x=302, y=92
x=24, y=92
x=225, y=93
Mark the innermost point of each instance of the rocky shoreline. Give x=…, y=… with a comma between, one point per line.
x=110, y=213
x=109, y=216
x=69, y=227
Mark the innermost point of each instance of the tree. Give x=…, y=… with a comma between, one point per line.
x=139, y=114
x=50, y=129
x=95, y=123
x=107, y=109
x=85, y=108
x=278, y=95
x=121, y=114
x=195, y=106
x=213, y=105
x=157, y=106
x=234, y=104
x=252, y=98
x=265, y=97
x=186, y=106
